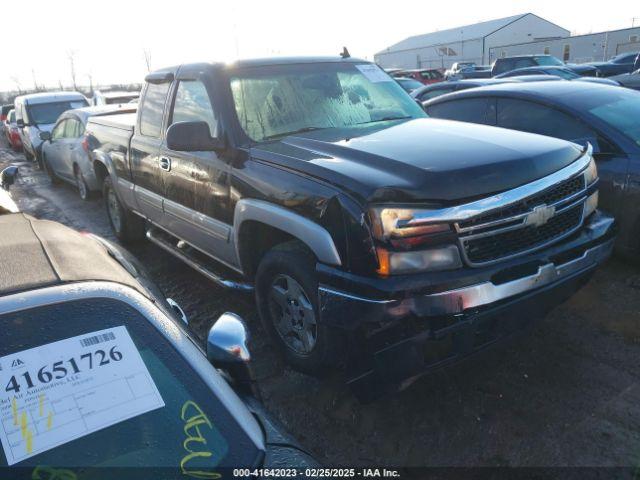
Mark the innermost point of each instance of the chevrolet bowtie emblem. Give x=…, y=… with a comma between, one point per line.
x=540, y=215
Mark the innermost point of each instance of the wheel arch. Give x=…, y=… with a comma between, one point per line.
x=260, y=225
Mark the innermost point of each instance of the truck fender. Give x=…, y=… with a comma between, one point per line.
x=313, y=235
x=104, y=159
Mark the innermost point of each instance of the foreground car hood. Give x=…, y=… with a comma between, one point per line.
x=421, y=160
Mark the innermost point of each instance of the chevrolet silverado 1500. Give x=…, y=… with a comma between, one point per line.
x=369, y=232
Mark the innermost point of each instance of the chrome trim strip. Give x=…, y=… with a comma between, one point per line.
x=467, y=211
x=158, y=319
x=453, y=302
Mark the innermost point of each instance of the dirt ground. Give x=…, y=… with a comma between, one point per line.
x=568, y=394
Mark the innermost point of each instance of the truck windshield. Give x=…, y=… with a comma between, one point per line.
x=274, y=101
x=43, y=113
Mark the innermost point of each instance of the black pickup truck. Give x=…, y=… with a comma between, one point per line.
x=370, y=233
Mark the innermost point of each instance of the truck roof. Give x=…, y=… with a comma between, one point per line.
x=49, y=97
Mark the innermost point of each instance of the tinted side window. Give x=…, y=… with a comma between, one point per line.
x=475, y=110
x=535, y=118
x=192, y=104
x=504, y=65
x=436, y=92
x=152, y=109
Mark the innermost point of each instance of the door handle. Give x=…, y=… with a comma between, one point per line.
x=165, y=163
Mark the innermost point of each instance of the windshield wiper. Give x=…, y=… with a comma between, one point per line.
x=385, y=119
x=300, y=130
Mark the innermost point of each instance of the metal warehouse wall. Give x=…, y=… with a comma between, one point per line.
x=432, y=56
x=581, y=48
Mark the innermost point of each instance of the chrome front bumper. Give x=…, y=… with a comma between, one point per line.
x=457, y=301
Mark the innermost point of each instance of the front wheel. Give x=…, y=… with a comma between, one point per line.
x=49, y=171
x=127, y=226
x=287, y=300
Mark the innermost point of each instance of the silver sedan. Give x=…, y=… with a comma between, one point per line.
x=65, y=151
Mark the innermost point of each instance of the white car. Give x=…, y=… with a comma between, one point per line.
x=114, y=98
x=38, y=112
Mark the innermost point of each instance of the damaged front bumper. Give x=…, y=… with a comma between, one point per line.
x=406, y=327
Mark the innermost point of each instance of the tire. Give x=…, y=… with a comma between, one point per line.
x=128, y=227
x=81, y=184
x=286, y=278
x=47, y=168
x=28, y=155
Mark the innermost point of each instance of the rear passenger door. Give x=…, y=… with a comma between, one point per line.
x=145, y=149
x=196, y=184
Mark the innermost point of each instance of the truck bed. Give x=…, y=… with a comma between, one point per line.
x=121, y=121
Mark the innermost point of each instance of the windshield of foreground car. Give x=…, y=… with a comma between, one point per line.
x=273, y=101
x=548, y=60
x=620, y=108
x=151, y=439
x=44, y=113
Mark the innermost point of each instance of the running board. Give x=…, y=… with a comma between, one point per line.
x=196, y=264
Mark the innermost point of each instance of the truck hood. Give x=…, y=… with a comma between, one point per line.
x=423, y=159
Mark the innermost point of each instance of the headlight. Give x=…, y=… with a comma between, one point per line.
x=397, y=223
x=591, y=204
x=591, y=172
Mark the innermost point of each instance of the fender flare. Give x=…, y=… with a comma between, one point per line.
x=104, y=159
x=317, y=238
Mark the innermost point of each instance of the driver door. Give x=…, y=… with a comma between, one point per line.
x=53, y=149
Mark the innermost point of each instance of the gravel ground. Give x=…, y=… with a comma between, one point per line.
x=568, y=394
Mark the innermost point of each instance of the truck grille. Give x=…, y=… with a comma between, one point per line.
x=511, y=230
x=563, y=190
x=492, y=247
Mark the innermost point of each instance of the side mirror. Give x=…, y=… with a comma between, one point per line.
x=44, y=136
x=20, y=122
x=192, y=137
x=227, y=350
x=8, y=177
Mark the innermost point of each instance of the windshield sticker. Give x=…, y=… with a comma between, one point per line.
x=374, y=73
x=55, y=393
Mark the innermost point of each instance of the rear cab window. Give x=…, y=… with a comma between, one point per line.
x=152, y=109
x=191, y=411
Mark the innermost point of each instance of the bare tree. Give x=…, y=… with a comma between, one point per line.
x=71, y=55
x=17, y=82
x=35, y=82
x=147, y=58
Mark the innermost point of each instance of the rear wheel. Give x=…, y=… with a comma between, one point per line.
x=83, y=188
x=287, y=299
x=127, y=226
x=28, y=155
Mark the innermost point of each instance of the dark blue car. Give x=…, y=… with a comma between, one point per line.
x=606, y=117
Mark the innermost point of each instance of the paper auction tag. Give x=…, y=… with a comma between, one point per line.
x=55, y=393
x=374, y=73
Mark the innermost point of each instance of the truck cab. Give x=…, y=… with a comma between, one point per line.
x=370, y=234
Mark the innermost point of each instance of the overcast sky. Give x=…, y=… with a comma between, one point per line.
x=108, y=38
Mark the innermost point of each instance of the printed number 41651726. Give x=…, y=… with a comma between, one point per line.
x=59, y=369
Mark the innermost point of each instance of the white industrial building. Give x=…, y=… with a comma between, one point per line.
x=592, y=47
x=471, y=43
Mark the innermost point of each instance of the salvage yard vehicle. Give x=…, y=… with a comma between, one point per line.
x=65, y=152
x=506, y=64
x=11, y=131
x=409, y=85
x=38, y=112
x=113, y=97
x=367, y=230
x=605, y=117
x=4, y=112
x=557, y=71
x=426, y=76
x=622, y=63
x=629, y=80
x=100, y=375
